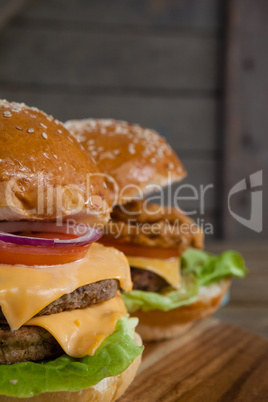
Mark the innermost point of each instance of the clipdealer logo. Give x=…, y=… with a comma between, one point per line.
x=255, y=221
x=68, y=200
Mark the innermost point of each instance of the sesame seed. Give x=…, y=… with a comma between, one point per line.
x=59, y=131
x=153, y=160
x=107, y=122
x=116, y=151
x=44, y=136
x=7, y=114
x=30, y=130
x=131, y=149
x=33, y=116
x=43, y=125
x=19, y=128
x=171, y=165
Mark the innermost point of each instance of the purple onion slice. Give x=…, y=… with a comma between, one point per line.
x=86, y=234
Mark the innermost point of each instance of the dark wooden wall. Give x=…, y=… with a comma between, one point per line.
x=154, y=62
x=246, y=122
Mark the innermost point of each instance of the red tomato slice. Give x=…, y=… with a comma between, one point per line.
x=12, y=254
x=134, y=250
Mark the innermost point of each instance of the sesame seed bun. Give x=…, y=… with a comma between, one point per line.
x=132, y=155
x=157, y=325
x=44, y=171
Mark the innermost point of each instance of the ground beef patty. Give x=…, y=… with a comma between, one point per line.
x=80, y=298
x=35, y=343
x=146, y=280
x=83, y=297
x=27, y=343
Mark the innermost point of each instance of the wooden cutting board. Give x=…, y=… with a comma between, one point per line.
x=213, y=362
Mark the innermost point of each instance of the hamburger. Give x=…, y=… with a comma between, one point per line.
x=175, y=282
x=64, y=330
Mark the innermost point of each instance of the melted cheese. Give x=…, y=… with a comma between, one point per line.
x=24, y=291
x=81, y=332
x=168, y=269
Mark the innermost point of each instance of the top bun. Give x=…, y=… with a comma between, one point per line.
x=44, y=171
x=137, y=159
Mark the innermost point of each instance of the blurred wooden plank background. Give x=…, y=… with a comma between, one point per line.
x=9, y=9
x=246, y=123
x=159, y=63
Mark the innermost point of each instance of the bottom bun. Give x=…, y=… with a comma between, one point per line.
x=107, y=390
x=158, y=325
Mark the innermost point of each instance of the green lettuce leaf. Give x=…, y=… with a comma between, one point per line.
x=146, y=301
x=65, y=373
x=199, y=268
x=209, y=268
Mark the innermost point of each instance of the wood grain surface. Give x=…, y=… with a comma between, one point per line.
x=197, y=14
x=9, y=9
x=115, y=60
x=213, y=362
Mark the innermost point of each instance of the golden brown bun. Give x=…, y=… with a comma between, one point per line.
x=107, y=390
x=43, y=169
x=130, y=154
x=157, y=325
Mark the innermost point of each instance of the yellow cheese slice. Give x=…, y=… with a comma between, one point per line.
x=81, y=332
x=168, y=269
x=24, y=291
